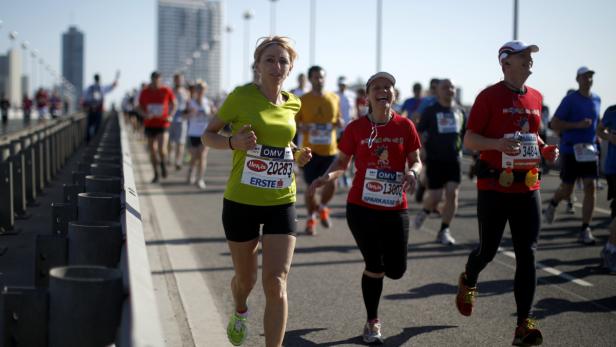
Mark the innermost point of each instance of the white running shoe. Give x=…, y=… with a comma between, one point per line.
x=570, y=208
x=201, y=184
x=372, y=333
x=444, y=237
x=420, y=218
x=586, y=237
x=548, y=213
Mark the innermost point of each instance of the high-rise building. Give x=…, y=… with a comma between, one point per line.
x=186, y=27
x=72, y=57
x=10, y=76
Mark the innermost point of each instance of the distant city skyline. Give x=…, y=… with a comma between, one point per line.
x=455, y=39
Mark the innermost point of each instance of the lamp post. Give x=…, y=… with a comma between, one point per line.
x=313, y=23
x=379, y=33
x=272, y=17
x=228, y=30
x=24, y=48
x=515, y=19
x=34, y=55
x=248, y=14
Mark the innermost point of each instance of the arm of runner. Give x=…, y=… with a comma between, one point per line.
x=605, y=134
x=244, y=139
x=560, y=125
x=476, y=142
x=301, y=155
x=335, y=170
x=412, y=175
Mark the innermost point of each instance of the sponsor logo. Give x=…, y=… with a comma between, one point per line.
x=374, y=186
x=263, y=183
x=386, y=175
x=256, y=165
x=272, y=152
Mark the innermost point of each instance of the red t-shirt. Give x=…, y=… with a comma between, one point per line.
x=499, y=111
x=156, y=102
x=384, y=162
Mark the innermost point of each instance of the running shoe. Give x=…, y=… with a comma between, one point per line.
x=444, y=237
x=372, y=333
x=324, y=216
x=420, y=218
x=155, y=179
x=548, y=213
x=237, y=329
x=465, y=299
x=609, y=260
x=527, y=334
x=570, y=208
x=201, y=184
x=311, y=226
x=586, y=237
x=178, y=167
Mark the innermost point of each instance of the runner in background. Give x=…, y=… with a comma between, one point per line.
x=318, y=119
x=576, y=119
x=178, y=127
x=94, y=103
x=443, y=125
x=200, y=112
x=347, y=110
x=410, y=105
x=385, y=147
x=156, y=104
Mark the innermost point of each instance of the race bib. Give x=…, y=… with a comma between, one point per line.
x=383, y=188
x=447, y=122
x=268, y=167
x=320, y=134
x=197, y=124
x=529, y=155
x=156, y=110
x=585, y=152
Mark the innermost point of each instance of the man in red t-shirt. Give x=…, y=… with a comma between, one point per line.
x=503, y=126
x=157, y=104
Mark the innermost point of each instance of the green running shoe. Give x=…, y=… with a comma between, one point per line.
x=237, y=329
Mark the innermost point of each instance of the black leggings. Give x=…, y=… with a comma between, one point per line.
x=523, y=211
x=382, y=237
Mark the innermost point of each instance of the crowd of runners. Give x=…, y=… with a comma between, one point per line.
x=379, y=149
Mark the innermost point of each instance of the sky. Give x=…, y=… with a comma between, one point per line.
x=420, y=39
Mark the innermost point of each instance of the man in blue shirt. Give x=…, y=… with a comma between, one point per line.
x=93, y=103
x=410, y=105
x=576, y=119
x=606, y=130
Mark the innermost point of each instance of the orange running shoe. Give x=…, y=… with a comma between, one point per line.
x=311, y=226
x=324, y=216
x=465, y=299
x=527, y=334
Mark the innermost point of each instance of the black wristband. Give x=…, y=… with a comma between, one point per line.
x=230, y=145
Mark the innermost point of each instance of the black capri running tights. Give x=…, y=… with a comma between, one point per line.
x=382, y=237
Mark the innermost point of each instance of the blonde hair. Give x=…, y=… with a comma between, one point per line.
x=282, y=41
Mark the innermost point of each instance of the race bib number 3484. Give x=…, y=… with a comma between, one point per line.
x=268, y=167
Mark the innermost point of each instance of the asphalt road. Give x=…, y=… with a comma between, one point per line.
x=575, y=301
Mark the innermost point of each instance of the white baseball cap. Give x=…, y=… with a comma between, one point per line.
x=381, y=74
x=584, y=70
x=515, y=46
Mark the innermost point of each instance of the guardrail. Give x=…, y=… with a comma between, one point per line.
x=92, y=282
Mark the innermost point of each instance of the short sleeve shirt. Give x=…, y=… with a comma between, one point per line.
x=444, y=128
x=574, y=108
x=156, y=102
x=388, y=154
x=321, y=113
x=609, y=122
x=498, y=111
x=274, y=125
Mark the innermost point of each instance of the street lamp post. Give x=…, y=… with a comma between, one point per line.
x=228, y=30
x=313, y=23
x=273, y=17
x=515, y=19
x=379, y=33
x=34, y=55
x=247, y=16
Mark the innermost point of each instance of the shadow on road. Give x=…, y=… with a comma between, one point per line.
x=551, y=307
x=296, y=337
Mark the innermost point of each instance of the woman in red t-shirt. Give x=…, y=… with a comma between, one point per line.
x=385, y=146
